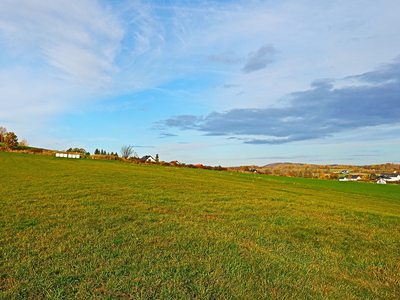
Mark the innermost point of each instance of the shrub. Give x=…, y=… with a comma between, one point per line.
x=22, y=147
x=24, y=142
x=107, y=157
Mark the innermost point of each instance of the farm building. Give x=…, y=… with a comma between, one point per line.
x=355, y=177
x=390, y=177
x=381, y=181
x=148, y=158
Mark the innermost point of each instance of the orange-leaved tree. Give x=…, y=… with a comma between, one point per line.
x=10, y=139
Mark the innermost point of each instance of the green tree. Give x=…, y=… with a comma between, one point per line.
x=77, y=150
x=97, y=151
x=10, y=139
x=157, y=158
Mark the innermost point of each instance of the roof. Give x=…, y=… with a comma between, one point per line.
x=390, y=174
x=147, y=157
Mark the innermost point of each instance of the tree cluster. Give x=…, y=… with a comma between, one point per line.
x=9, y=139
x=79, y=150
x=103, y=152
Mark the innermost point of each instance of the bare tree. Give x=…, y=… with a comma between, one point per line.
x=3, y=131
x=126, y=151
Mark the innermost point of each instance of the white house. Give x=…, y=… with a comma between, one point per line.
x=355, y=177
x=343, y=179
x=148, y=158
x=391, y=177
x=381, y=181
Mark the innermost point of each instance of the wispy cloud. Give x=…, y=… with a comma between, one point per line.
x=167, y=135
x=228, y=86
x=225, y=58
x=79, y=40
x=54, y=55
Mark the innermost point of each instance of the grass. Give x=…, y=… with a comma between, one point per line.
x=90, y=229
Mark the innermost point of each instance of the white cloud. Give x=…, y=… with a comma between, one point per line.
x=55, y=56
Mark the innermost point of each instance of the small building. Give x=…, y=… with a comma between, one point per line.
x=148, y=158
x=381, y=181
x=344, y=178
x=390, y=177
x=355, y=177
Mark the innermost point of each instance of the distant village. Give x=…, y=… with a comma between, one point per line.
x=380, y=174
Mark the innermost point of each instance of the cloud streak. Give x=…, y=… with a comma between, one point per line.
x=224, y=58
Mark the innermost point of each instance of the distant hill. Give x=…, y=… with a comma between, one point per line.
x=273, y=165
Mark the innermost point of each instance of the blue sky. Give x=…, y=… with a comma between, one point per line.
x=214, y=82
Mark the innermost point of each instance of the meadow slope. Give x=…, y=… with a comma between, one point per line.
x=90, y=229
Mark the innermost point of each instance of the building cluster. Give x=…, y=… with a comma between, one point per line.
x=381, y=179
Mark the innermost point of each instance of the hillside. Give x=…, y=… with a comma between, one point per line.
x=109, y=230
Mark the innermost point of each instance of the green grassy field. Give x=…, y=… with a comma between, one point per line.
x=90, y=229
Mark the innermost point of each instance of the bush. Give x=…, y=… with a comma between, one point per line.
x=3, y=145
x=21, y=147
x=107, y=157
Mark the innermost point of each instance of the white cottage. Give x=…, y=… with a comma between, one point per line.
x=381, y=181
